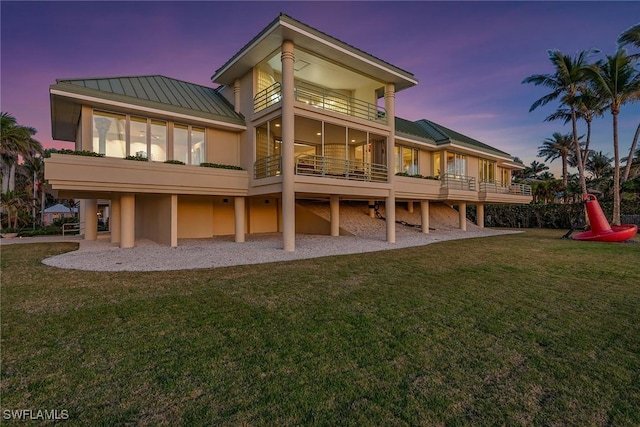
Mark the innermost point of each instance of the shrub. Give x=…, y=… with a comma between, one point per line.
x=137, y=157
x=174, y=162
x=80, y=153
x=219, y=166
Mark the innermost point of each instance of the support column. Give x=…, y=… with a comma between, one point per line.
x=390, y=203
x=480, y=215
x=410, y=206
x=334, y=206
x=372, y=210
x=424, y=216
x=463, y=215
x=114, y=219
x=236, y=96
x=174, y=220
x=288, y=153
x=238, y=218
x=91, y=219
x=390, y=215
x=127, y=220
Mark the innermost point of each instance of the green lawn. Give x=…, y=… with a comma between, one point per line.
x=523, y=329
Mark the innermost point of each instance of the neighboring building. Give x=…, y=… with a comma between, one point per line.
x=306, y=116
x=58, y=211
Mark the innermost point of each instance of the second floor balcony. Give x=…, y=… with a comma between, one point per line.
x=322, y=98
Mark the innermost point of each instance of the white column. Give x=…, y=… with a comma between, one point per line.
x=127, y=220
x=114, y=219
x=288, y=153
x=238, y=218
x=480, y=215
x=424, y=216
x=463, y=215
x=410, y=206
x=334, y=207
x=390, y=215
x=372, y=210
x=91, y=219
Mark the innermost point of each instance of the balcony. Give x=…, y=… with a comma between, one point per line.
x=458, y=182
x=325, y=99
x=499, y=192
x=324, y=167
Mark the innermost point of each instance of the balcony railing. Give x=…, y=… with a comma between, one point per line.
x=267, y=97
x=502, y=188
x=267, y=166
x=323, y=98
x=331, y=167
x=458, y=182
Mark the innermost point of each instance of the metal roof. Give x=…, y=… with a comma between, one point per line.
x=157, y=91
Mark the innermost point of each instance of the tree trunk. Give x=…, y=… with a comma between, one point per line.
x=586, y=145
x=565, y=177
x=616, y=171
x=12, y=177
x=627, y=168
x=43, y=197
x=583, y=181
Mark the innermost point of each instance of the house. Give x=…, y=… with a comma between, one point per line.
x=297, y=115
x=58, y=211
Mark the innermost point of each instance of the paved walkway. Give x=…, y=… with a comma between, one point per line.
x=101, y=255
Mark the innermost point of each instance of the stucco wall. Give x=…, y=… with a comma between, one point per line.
x=153, y=218
x=263, y=215
x=223, y=147
x=195, y=217
x=222, y=218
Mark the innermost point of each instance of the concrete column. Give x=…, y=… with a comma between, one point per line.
x=424, y=216
x=174, y=220
x=390, y=215
x=410, y=206
x=114, y=219
x=127, y=220
x=463, y=216
x=372, y=210
x=334, y=206
x=91, y=219
x=238, y=218
x=236, y=95
x=288, y=135
x=480, y=215
x=390, y=202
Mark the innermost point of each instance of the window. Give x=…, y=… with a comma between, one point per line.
x=189, y=144
x=486, y=170
x=505, y=176
x=406, y=160
x=158, y=141
x=456, y=164
x=437, y=166
x=109, y=134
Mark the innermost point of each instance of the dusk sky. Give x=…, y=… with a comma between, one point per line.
x=469, y=57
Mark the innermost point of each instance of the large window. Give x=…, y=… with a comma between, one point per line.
x=189, y=144
x=109, y=134
x=486, y=170
x=120, y=135
x=406, y=160
x=456, y=164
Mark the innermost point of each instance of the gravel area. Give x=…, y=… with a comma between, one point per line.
x=101, y=255
x=369, y=236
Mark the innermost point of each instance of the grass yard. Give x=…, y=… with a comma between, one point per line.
x=522, y=329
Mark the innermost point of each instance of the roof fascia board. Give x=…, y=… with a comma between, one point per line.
x=486, y=153
x=415, y=141
x=145, y=109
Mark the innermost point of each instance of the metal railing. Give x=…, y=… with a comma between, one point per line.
x=502, y=188
x=267, y=166
x=331, y=167
x=331, y=100
x=323, y=98
x=69, y=227
x=458, y=182
x=267, y=97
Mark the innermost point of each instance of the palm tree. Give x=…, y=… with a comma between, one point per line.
x=557, y=147
x=34, y=166
x=15, y=141
x=630, y=37
x=532, y=171
x=599, y=164
x=565, y=84
x=617, y=80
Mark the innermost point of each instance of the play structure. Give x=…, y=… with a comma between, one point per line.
x=600, y=229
